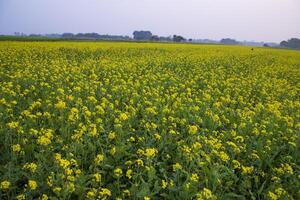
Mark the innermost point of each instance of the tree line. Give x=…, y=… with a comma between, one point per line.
x=293, y=43
x=148, y=36
x=93, y=36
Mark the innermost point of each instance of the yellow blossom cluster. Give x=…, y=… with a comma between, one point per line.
x=120, y=120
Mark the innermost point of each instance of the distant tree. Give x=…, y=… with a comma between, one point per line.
x=92, y=35
x=178, y=38
x=87, y=36
x=266, y=45
x=68, y=35
x=293, y=43
x=35, y=35
x=190, y=40
x=53, y=35
x=167, y=39
x=229, y=41
x=284, y=44
x=79, y=35
x=113, y=37
x=154, y=38
x=142, y=35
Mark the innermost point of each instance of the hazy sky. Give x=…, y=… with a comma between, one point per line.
x=260, y=20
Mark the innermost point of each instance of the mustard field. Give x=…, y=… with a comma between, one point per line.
x=112, y=120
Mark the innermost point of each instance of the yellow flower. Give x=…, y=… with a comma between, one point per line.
x=150, y=152
x=97, y=177
x=16, y=148
x=112, y=135
x=194, y=177
x=223, y=156
x=60, y=91
x=77, y=171
x=187, y=186
x=87, y=112
x=60, y=105
x=140, y=162
x=92, y=99
x=118, y=172
x=255, y=156
x=71, y=186
x=91, y=194
x=68, y=171
x=113, y=151
x=32, y=184
x=193, y=130
x=43, y=140
x=100, y=110
x=99, y=158
x=151, y=110
x=62, y=162
x=105, y=192
x=288, y=168
x=272, y=196
x=157, y=136
x=5, y=185
x=50, y=181
x=77, y=89
x=131, y=139
x=57, y=189
x=177, y=166
x=123, y=116
x=31, y=166
x=172, y=132
x=74, y=115
x=13, y=125
x=21, y=197
x=236, y=164
x=140, y=151
x=128, y=173
x=147, y=198
x=206, y=194
x=247, y=170
x=93, y=130
x=126, y=192
x=44, y=197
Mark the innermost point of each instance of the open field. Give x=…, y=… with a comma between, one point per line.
x=148, y=121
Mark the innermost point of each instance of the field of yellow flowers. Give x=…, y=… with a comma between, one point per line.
x=108, y=120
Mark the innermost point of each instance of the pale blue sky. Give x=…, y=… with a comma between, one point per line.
x=260, y=20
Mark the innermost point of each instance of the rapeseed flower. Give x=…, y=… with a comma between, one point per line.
x=129, y=173
x=4, y=185
x=118, y=172
x=193, y=129
x=123, y=117
x=177, y=166
x=32, y=184
x=99, y=158
x=105, y=192
x=16, y=148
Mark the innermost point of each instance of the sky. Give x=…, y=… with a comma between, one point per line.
x=259, y=20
